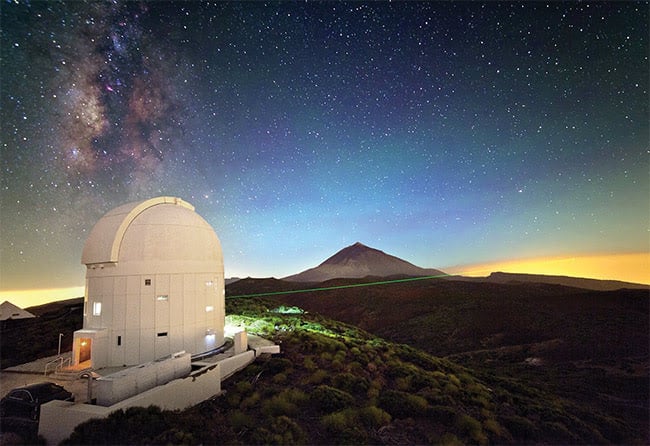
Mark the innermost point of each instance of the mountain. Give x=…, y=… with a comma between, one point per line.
x=575, y=282
x=359, y=260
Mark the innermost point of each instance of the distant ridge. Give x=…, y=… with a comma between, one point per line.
x=357, y=261
x=576, y=282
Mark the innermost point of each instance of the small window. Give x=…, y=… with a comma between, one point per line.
x=162, y=297
x=147, y=282
x=162, y=334
x=97, y=308
x=209, y=308
x=119, y=340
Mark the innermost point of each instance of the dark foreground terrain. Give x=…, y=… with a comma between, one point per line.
x=424, y=362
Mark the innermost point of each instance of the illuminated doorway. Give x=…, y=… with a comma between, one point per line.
x=85, y=348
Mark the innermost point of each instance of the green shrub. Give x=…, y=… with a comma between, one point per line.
x=373, y=417
x=355, y=367
x=471, y=428
x=343, y=427
x=403, y=383
x=492, y=425
x=282, y=431
x=402, y=404
x=329, y=399
x=450, y=439
x=244, y=387
x=309, y=364
x=351, y=383
x=251, y=401
x=280, y=378
x=317, y=377
x=285, y=403
x=454, y=380
x=240, y=421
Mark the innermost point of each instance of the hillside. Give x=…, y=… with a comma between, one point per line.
x=587, y=346
x=337, y=384
x=357, y=261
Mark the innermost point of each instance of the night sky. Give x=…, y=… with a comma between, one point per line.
x=445, y=133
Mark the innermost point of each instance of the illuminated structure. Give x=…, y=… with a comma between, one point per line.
x=154, y=285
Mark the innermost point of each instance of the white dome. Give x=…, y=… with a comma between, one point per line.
x=162, y=233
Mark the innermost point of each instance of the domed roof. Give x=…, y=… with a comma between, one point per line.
x=159, y=229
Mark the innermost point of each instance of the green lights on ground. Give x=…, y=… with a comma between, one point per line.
x=339, y=287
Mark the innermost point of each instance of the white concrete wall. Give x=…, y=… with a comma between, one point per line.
x=59, y=418
x=121, y=385
x=235, y=363
x=240, y=340
x=131, y=310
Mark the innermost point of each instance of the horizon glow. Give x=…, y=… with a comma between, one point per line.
x=633, y=268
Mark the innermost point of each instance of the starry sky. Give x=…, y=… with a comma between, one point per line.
x=445, y=133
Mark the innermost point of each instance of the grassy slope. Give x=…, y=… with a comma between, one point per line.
x=590, y=347
x=336, y=383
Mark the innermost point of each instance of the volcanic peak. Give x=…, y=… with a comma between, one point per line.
x=359, y=260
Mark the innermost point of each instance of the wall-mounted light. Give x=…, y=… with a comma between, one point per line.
x=209, y=308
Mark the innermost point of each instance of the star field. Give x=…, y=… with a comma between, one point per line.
x=441, y=132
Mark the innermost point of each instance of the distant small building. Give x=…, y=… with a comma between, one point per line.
x=11, y=311
x=154, y=285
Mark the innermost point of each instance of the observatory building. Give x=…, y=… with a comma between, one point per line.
x=154, y=285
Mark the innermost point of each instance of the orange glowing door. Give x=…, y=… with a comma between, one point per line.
x=85, y=345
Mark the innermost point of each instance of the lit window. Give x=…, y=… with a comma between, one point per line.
x=209, y=308
x=162, y=297
x=209, y=283
x=97, y=308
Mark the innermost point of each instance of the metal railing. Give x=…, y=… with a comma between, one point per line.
x=58, y=363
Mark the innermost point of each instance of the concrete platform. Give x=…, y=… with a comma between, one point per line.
x=32, y=372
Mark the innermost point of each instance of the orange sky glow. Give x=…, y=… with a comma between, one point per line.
x=634, y=267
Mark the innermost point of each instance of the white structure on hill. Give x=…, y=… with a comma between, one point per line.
x=11, y=311
x=154, y=285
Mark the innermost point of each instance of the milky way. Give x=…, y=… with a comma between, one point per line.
x=444, y=133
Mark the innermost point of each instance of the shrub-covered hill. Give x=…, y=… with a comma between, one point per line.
x=336, y=384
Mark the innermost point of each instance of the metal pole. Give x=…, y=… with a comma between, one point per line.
x=60, y=336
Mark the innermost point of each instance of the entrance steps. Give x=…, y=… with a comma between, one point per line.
x=70, y=373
